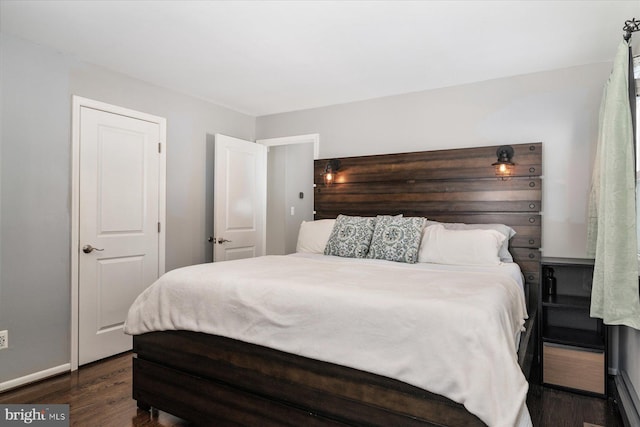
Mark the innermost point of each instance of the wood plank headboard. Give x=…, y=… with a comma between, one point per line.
x=457, y=185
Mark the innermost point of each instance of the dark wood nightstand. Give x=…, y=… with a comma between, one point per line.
x=573, y=345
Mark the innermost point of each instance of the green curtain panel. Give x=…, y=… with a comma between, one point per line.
x=612, y=206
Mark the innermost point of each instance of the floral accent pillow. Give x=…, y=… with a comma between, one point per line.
x=396, y=239
x=350, y=237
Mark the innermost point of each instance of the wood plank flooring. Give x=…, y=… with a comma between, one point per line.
x=555, y=408
x=100, y=395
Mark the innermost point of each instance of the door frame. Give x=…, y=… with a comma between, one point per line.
x=312, y=138
x=77, y=103
x=296, y=139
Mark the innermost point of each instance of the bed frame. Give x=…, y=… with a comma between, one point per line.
x=212, y=380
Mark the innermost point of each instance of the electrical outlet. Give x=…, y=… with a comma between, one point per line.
x=4, y=339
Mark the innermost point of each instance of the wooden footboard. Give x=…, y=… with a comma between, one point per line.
x=210, y=379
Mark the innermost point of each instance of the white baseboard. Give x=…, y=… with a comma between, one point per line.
x=628, y=401
x=36, y=376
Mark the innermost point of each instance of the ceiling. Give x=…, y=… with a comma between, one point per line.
x=266, y=57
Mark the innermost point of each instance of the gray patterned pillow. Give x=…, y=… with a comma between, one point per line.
x=396, y=239
x=351, y=236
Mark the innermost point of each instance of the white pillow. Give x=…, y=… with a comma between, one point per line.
x=313, y=235
x=460, y=247
x=505, y=255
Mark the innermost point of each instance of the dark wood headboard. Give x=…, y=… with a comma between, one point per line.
x=457, y=185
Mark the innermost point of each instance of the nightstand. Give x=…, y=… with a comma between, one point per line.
x=573, y=345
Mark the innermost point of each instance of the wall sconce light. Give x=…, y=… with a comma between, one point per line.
x=330, y=171
x=504, y=165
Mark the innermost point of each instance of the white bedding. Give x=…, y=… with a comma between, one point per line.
x=449, y=330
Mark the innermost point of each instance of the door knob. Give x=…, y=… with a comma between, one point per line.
x=221, y=240
x=87, y=249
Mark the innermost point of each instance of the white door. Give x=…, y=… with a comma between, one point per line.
x=119, y=186
x=240, y=194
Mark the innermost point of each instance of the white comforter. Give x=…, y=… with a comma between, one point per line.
x=450, y=332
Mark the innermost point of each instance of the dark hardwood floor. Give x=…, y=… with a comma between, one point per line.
x=555, y=408
x=100, y=395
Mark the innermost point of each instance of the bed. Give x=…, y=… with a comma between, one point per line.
x=212, y=378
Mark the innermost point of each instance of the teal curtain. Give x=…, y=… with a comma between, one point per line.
x=612, y=238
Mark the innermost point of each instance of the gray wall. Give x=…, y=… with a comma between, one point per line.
x=559, y=108
x=299, y=178
x=35, y=151
x=276, y=194
x=290, y=171
x=35, y=221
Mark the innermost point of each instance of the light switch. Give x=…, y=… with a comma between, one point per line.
x=293, y=210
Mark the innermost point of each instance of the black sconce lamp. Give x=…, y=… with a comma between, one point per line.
x=330, y=171
x=504, y=165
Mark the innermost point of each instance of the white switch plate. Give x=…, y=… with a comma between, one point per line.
x=4, y=339
x=293, y=210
